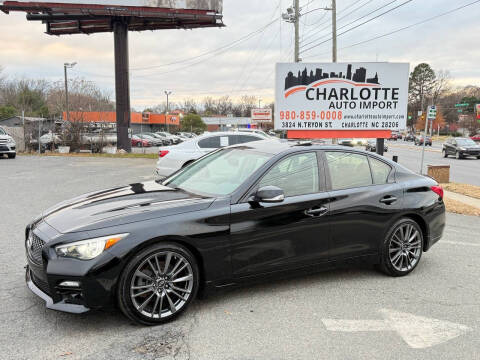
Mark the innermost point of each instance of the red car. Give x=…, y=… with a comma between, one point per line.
x=476, y=137
x=137, y=142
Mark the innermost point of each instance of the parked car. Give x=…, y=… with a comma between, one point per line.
x=255, y=131
x=154, y=140
x=461, y=148
x=372, y=146
x=360, y=142
x=173, y=158
x=476, y=137
x=173, y=139
x=139, y=142
x=158, y=139
x=409, y=137
x=237, y=216
x=419, y=140
x=346, y=142
x=7, y=145
x=394, y=136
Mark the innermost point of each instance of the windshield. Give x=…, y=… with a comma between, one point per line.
x=220, y=173
x=466, y=142
x=2, y=132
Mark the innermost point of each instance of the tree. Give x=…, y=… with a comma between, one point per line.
x=192, y=123
x=7, y=111
x=190, y=106
x=421, y=87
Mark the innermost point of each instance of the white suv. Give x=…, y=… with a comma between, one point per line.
x=173, y=158
x=7, y=145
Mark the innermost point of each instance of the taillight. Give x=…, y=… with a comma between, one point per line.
x=163, y=153
x=437, y=190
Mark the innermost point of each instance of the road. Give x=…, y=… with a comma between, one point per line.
x=302, y=318
x=465, y=171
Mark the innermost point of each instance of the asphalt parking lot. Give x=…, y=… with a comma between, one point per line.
x=354, y=313
x=466, y=171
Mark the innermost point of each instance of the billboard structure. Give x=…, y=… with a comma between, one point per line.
x=341, y=97
x=92, y=16
x=63, y=17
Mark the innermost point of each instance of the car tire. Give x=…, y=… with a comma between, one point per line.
x=444, y=153
x=139, y=145
x=402, y=248
x=152, y=298
x=458, y=156
x=12, y=156
x=478, y=157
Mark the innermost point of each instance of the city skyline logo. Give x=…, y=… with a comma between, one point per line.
x=304, y=80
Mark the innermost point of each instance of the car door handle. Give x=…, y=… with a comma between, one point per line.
x=388, y=200
x=316, y=212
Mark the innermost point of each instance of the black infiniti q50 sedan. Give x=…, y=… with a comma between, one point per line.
x=240, y=214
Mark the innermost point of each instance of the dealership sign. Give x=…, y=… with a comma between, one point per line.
x=214, y=5
x=262, y=115
x=341, y=96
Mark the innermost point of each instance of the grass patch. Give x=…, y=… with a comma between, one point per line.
x=458, y=207
x=86, y=155
x=464, y=189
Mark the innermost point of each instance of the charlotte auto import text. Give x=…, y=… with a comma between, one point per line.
x=365, y=98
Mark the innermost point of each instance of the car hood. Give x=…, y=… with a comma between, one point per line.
x=123, y=205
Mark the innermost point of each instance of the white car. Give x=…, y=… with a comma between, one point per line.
x=7, y=145
x=173, y=158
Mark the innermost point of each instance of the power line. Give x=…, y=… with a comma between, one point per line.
x=235, y=42
x=329, y=21
x=350, y=23
x=405, y=27
x=359, y=25
x=254, y=52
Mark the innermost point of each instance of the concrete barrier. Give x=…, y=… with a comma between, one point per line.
x=441, y=173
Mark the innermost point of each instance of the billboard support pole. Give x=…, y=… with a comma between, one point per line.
x=122, y=84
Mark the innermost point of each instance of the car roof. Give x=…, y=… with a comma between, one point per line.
x=275, y=147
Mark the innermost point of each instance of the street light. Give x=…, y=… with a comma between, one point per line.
x=65, y=67
x=168, y=93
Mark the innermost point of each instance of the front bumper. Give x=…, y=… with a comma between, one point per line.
x=62, y=305
x=8, y=149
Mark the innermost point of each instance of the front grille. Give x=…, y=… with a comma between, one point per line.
x=3, y=141
x=3, y=148
x=34, y=248
x=42, y=285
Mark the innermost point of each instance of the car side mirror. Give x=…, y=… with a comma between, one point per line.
x=269, y=194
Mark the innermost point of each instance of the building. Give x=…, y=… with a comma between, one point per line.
x=139, y=122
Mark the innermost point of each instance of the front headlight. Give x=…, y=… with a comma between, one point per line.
x=10, y=141
x=462, y=149
x=88, y=249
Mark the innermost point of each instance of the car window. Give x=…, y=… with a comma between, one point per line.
x=295, y=175
x=212, y=142
x=348, y=170
x=380, y=171
x=242, y=139
x=2, y=132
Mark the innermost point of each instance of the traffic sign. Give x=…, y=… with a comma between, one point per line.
x=432, y=112
x=462, y=105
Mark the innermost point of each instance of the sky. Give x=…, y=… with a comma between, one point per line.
x=169, y=59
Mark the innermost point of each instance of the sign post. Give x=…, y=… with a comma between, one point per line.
x=432, y=115
x=334, y=100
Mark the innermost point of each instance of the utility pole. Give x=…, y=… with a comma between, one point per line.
x=168, y=93
x=334, y=31
x=297, y=31
x=293, y=16
x=65, y=67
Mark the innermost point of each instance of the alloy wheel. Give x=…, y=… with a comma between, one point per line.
x=405, y=248
x=161, y=285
